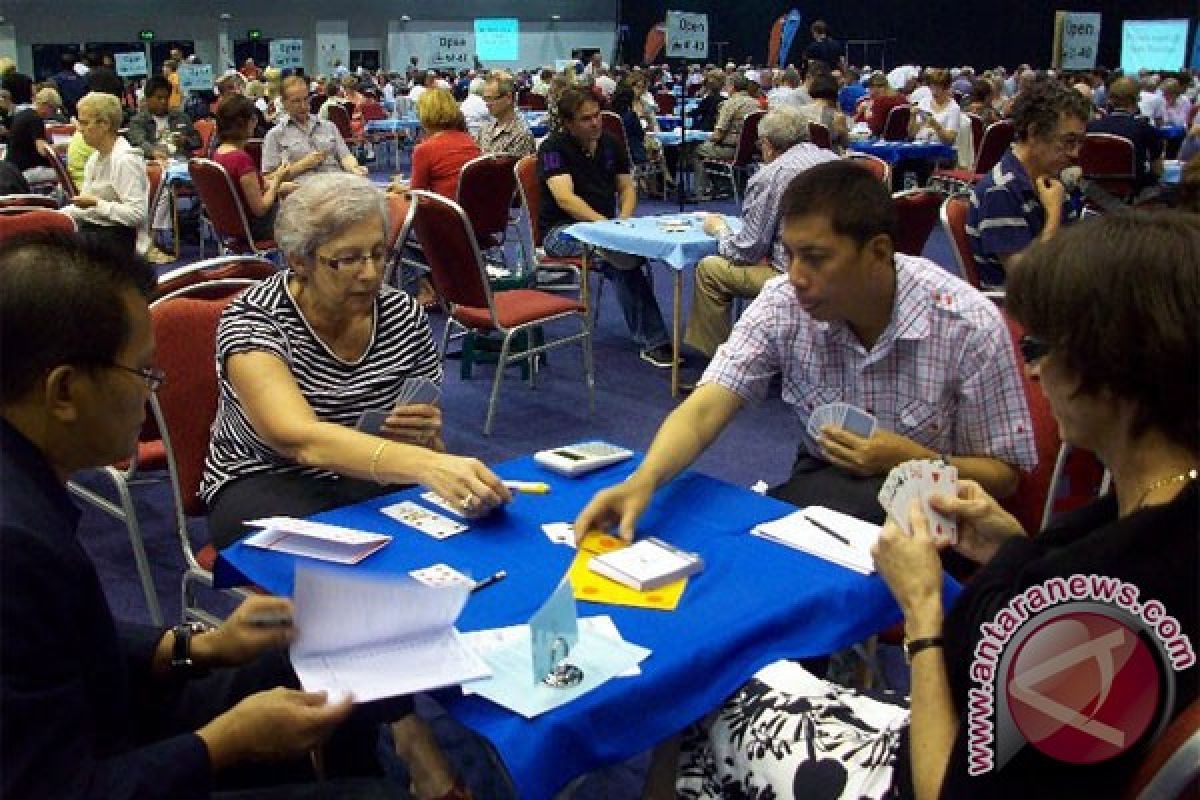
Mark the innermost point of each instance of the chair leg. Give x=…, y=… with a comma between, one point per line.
x=139, y=552
x=501, y=363
x=589, y=375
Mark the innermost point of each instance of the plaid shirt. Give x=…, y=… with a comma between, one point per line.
x=943, y=373
x=514, y=138
x=759, y=234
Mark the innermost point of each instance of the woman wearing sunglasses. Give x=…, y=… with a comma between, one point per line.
x=1069, y=650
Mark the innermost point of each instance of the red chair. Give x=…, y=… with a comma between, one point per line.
x=460, y=277
x=35, y=219
x=990, y=148
x=917, y=212
x=223, y=207
x=895, y=127
x=878, y=167
x=954, y=222
x=486, y=188
x=340, y=118
x=64, y=177
x=253, y=148
x=819, y=135
x=743, y=156
x=315, y=101
x=1110, y=161
x=1171, y=770
x=977, y=131
x=371, y=110
x=206, y=127
x=25, y=202
x=535, y=257
x=665, y=101
x=614, y=126
x=213, y=278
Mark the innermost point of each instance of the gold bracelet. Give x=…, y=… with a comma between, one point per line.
x=375, y=462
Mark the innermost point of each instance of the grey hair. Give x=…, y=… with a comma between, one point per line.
x=477, y=85
x=503, y=81
x=105, y=105
x=783, y=127
x=322, y=207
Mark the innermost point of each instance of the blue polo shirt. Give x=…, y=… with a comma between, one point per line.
x=1006, y=216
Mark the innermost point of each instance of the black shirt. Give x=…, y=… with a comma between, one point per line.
x=828, y=50
x=594, y=177
x=1147, y=146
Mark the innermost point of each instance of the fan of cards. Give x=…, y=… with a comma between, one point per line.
x=841, y=415
x=918, y=480
x=417, y=390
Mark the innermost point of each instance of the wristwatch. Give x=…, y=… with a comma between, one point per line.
x=914, y=646
x=181, y=653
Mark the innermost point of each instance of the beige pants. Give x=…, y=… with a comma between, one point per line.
x=718, y=280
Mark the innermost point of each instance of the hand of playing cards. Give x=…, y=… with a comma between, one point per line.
x=841, y=415
x=417, y=390
x=919, y=480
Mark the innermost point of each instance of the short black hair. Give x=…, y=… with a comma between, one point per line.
x=19, y=85
x=571, y=101
x=60, y=303
x=156, y=83
x=823, y=86
x=1036, y=110
x=1119, y=299
x=857, y=203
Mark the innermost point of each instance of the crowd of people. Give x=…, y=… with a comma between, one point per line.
x=1110, y=309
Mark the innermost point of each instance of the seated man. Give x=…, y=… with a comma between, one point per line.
x=507, y=132
x=1022, y=198
x=308, y=145
x=581, y=171
x=722, y=143
x=852, y=321
x=158, y=131
x=1123, y=119
x=738, y=270
x=92, y=707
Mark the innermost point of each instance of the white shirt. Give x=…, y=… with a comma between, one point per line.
x=606, y=85
x=949, y=118
x=782, y=96
x=118, y=182
x=1153, y=107
x=921, y=94
x=414, y=94
x=476, y=113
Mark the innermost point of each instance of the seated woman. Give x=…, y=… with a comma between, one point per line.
x=938, y=120
x=29, y=151
x=113, y=199
x=236, y=120
x=824, y=110
x=646, y=112
x=49, y=105
x=981, y=102
x=1078, y=296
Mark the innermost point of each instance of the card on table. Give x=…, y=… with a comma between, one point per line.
x=440, y=576
x=441, y=502
x=560, y=533
x=427, y=522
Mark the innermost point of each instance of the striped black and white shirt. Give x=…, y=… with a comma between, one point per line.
x=266, y=319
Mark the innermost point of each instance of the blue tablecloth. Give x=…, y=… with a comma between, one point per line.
x=754, y=603
x=893, y=152
x=177, y=172
x=1172, y=133
x=674, y=138
x=668, y=122
x=393, y=125
x=645, y=236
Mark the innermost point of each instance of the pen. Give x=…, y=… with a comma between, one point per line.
x=528, y=487
x=270, y=620
x=489, y=580
x=827, y=530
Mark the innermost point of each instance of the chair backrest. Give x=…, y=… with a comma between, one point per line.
x=993, y=144
x=954, y=222
x=535, y=102
x=185, y=332
x=27, y=201
x=253, y=148
x=372, y=110
x=154, y=177
x=895, y=127
x=61, y=130
x=531, y=194
x=315, y=101
x=221, y=200
x=486, y=187
x=819, y=135
x=917, y=212
x=398, y=207
x=1028, y=502
x=665, y=101
x=612, y=124
x=35, y=219
x=64, y=177
x=456, y=265
x=747, y=144
x=1171, y=768
x=878, y=167
x=182, y=280
x=206, y=127
x=976, y=123
x=340, y=118
x=1110, y=161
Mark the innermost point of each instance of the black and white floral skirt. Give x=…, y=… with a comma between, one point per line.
x=787, y=733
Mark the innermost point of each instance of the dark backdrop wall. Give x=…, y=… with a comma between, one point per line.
x=942, y=32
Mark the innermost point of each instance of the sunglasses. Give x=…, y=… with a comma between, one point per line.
x=1033, y=349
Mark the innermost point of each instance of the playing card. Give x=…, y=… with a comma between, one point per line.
x=418, y=390
x=441, y=502
x=943, y=479
x=919, y=480
x=858, y=422
x=372, y=422
x=440, y=576
x=560, y=533
x=427, y=522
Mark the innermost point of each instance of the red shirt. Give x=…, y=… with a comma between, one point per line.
x=437, y=162
x=238, y=163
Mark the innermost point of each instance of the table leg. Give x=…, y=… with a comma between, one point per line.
x=175, y=220
x=676, y=325
x=584, y=293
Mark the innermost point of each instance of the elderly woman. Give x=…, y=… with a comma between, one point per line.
x=1077, y=296
x=237, y=119
x=112, y=202
x=445, y=146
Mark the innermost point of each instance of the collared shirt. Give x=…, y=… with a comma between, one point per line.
x=732, y=114
x=943, y=373
x=294, y=140
x=118, y=182
x=759, y=234
x=1006, y=216
x=594, y=177
x=512, y=137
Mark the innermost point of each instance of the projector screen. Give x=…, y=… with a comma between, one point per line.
x=496, y=39
x=1153, y=44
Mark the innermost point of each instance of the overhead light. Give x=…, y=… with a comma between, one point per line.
x=405, y=18
x=226, y=16
x=556, y=17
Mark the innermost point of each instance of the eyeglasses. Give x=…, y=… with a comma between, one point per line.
x=152, y=376
x=492, y=98
x=1033, y=349
x=1070, y=141
x=354, y=262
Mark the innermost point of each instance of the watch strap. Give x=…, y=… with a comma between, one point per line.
x=914, y=646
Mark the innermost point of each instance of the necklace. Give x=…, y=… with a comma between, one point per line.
x=1183, y=477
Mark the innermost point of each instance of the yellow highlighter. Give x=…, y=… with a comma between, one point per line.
x=528, y=487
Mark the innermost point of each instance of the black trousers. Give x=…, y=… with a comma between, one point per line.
x=117, y=238
x=818, y=483
x=290, y=494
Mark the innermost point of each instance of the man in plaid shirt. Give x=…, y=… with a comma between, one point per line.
x=853, y=321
